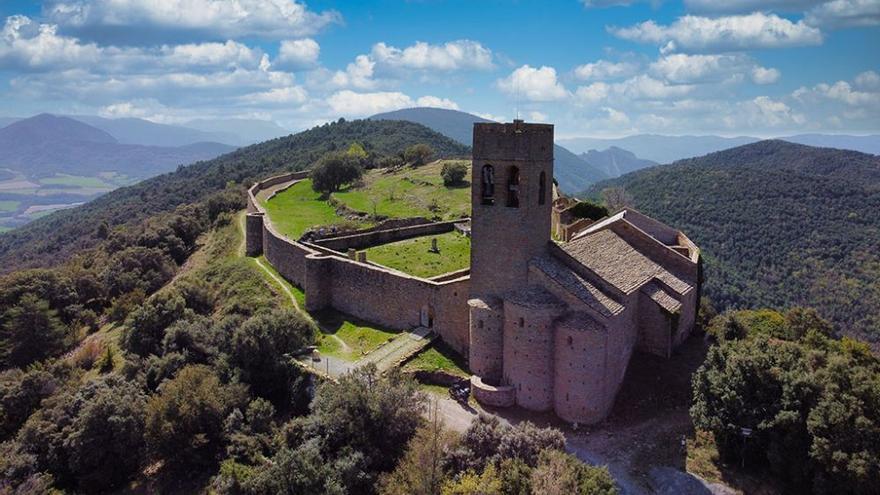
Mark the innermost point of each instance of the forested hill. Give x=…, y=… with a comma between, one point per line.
x=780, y=224
x=55, y=238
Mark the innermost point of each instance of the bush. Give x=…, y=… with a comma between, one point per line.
x=559, y=473
x=588, y=209
x=145, y=326
x=261, y=348
x=184, y=422
x=418, y=154
x=31, y=331
x=453, y=173
x=333, y=171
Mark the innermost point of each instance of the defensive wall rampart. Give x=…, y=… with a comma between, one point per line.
x=362, y=289
x=374, y=238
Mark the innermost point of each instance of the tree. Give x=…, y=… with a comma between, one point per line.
x=137, y=267
x=470, y=483
x=364, y=413
x=616, y=198
x=20, y=395
x=184, y=421
x=261, y=348
x=31, y=331
x=418, y=154
x=453, y=173
x=105, y=441
x=559, y=473
x=420, y=471
x=333, y=171
x=588, y=209
x=145, y=326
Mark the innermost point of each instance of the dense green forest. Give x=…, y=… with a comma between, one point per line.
x=57, y=237
x=779, y=224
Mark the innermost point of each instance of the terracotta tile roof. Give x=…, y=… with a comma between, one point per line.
x=620, y=258
x=578, y=286
x=579, y=320
x=661, y=296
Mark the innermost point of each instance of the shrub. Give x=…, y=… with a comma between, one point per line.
x=588, y=209
x=30, y=331
x=145, y=326
x=453, y=173
x=184, y=421
x=418, y=154
x=559, y=473
x=333, y=171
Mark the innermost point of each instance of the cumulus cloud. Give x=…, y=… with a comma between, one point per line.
x=747, y=6
x=722, y=34
x=286, y=95
x=298, y=54
x=358, y=74
x=763, y=75
x=845, y=13
x=764, y=111
x=143, y=20
x=602, y=70
x=436, y=102
x=686, y=68
x=868, y=80
x=533, y=84
x=641, y=87
x=450, y=56
x=840, y=91
x=350, y=103
x=28, y=45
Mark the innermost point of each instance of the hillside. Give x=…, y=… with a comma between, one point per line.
x=780, y=224
x=615, y=161
x=572, y=173
x=46, y=144
x=59, y=236
x=144, y=132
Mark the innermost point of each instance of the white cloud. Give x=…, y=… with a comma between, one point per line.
x=646, y=87
x=868, y=80
x=358, y=74
x=602, y=70
x=747, y=6
x=217, y=55
x=297, y=54
x=533, y=84
x=763, y=75
x=26, y=44
x=536, y=116
x=764, y=111
x=436, y=102
x=131, y=19
x=845, y=13
x=450, y=56
x=290, y=94
x=842, y=91
x=353, y=104
x=731, y=33
x=592, y=93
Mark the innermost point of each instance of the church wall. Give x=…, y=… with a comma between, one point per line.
x=486, y=327
x=581, y=357
x=528, y=354
x=655, y=327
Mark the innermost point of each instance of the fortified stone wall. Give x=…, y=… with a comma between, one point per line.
x=655, y=335
x=375, y=238
x=486, y=338
x=580, y=350
x=364, y=290
x=528, y=352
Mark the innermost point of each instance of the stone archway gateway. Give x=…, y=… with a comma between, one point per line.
x=426, y=317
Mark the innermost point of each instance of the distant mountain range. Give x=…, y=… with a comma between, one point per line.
x=572, y=173
x=615, y=161
x=47, y=144
x=667, y=149
x=780, y=224
x=232, y=132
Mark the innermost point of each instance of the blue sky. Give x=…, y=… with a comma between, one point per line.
x=592, y=67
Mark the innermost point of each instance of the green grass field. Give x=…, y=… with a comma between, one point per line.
x=76, y=181
x=9, y=206
x=348, y=338
x=410, y=192
x=298, y=208
x=438, y=357
x=413, y=256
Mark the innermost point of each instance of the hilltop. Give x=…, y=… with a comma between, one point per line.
x=57, y=237
x=780, y=225
x=572, y=173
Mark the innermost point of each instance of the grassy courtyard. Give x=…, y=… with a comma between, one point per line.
x=409, y=192
x=413, y=256
x=348, y=338
x=299, y=208
x=438, y=357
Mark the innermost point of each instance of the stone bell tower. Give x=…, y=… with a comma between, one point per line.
x=511, y=196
